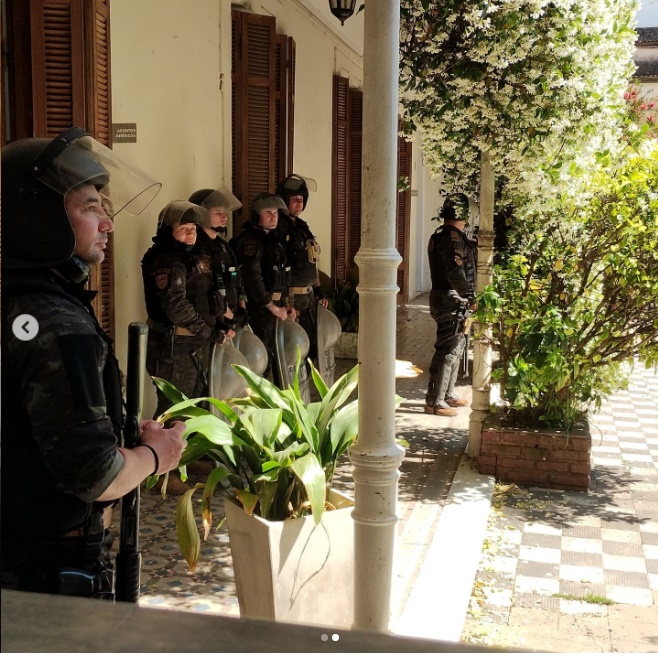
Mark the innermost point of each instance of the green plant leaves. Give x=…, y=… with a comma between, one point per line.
x=308, y=470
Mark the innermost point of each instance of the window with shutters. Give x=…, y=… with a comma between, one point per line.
x=58, y=72
x=263, y=77
x=346, y=186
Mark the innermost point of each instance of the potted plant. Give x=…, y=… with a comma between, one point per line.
x=574, y=304
x=276, y=457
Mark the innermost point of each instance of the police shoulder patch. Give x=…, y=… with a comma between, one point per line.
x=162, y=278
x=204, y=264
x=250, y=249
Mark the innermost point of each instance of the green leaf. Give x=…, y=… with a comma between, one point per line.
x=186, y=529
x=308, y=470
x=169, y=390
x=344, y=429
x=213, y=429
x=216, y=475
x=318, y=381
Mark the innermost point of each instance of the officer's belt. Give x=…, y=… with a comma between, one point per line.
x=301, y=290
x=162, y=328
x=81, y=531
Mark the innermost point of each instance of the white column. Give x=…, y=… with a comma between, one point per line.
x=376, y=457
x=481, y=349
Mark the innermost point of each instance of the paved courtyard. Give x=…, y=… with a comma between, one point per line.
x=556, y=571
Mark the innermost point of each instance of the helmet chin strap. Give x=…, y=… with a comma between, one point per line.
x=75, y=270
x=220, y=230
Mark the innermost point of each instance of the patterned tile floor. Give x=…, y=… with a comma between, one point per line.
x=567, y=552
x=436, y=445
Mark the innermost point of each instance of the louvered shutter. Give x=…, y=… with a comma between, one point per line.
x=403, y=214
x=339, y=195
x=254, y=101
x=98, y=106
x=285, y=105
x=57, y=49
x=355, y=149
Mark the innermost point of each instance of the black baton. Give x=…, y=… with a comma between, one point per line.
x=129, y=558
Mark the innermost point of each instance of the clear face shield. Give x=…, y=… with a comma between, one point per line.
x=295, y=183
x=182, y=212
x=222, y=198
x=270, y=201
x=76, y=159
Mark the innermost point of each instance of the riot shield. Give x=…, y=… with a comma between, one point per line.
x=291, y=337
x=224, y=382
x=252, y=348
x=328, y=333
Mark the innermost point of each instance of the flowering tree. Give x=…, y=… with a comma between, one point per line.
x=642, y=110
x=535, y=83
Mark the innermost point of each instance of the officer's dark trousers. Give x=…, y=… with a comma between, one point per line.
x=185, y=366
x=307, y=307
x=448, y=350
x=38, y=566
x=263, y=323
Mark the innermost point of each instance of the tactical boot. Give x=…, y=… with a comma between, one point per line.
x=438, y=410
x=454, y=402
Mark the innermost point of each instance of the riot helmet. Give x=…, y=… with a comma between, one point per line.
x=215, y=200
x=296, y=185
x=220, y=197
x=456, y=207
x=182, y=211
x=264, y=201
x=37, y=175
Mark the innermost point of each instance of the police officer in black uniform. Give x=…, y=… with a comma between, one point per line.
x=302, y=251
x=186, y=312
x=452, y=267
x=211, y=242
x=61, y=392
x=265, y=271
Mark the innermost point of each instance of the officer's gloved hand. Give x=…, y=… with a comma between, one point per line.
x=321, y=296
x=241, y=317
x=219, y=336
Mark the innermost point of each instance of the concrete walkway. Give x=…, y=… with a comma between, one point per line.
x=527, y=569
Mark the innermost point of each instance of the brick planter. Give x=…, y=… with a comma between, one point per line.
x=538, y=458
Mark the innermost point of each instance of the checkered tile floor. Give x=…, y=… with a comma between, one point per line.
x=569, y=551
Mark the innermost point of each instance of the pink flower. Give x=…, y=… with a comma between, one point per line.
x=643, y=106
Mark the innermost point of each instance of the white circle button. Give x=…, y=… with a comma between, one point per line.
x=25, y=327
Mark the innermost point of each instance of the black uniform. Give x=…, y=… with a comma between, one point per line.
x=452, y=267
x=61, y=420
x=227, y=278
x=266, y=277
x=302, y=252
x=185, y=314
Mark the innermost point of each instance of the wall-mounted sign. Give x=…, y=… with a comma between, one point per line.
x=124, y=132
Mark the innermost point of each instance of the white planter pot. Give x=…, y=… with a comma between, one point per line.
x=294, y=571
x=347, y=346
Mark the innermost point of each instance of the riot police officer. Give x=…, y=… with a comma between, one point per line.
x=265, y=271
x=185, y=310
x=210, y=241
x=302, y=251
x=61, y=398
x=452, y=298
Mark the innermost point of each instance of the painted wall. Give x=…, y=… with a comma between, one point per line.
x=171, y=75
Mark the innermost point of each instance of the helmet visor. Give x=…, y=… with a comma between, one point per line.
x=223, y=198
x=86, y=161
x=294, y=183
x=268, y=202
x=182, y=211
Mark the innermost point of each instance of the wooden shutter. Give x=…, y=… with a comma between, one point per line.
x=254, y=103
x=66, y=83
x=98, y=107
x=403, y=215
x=56, y=37
x=355, y=146
x=285, y=105
x=339, y=192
